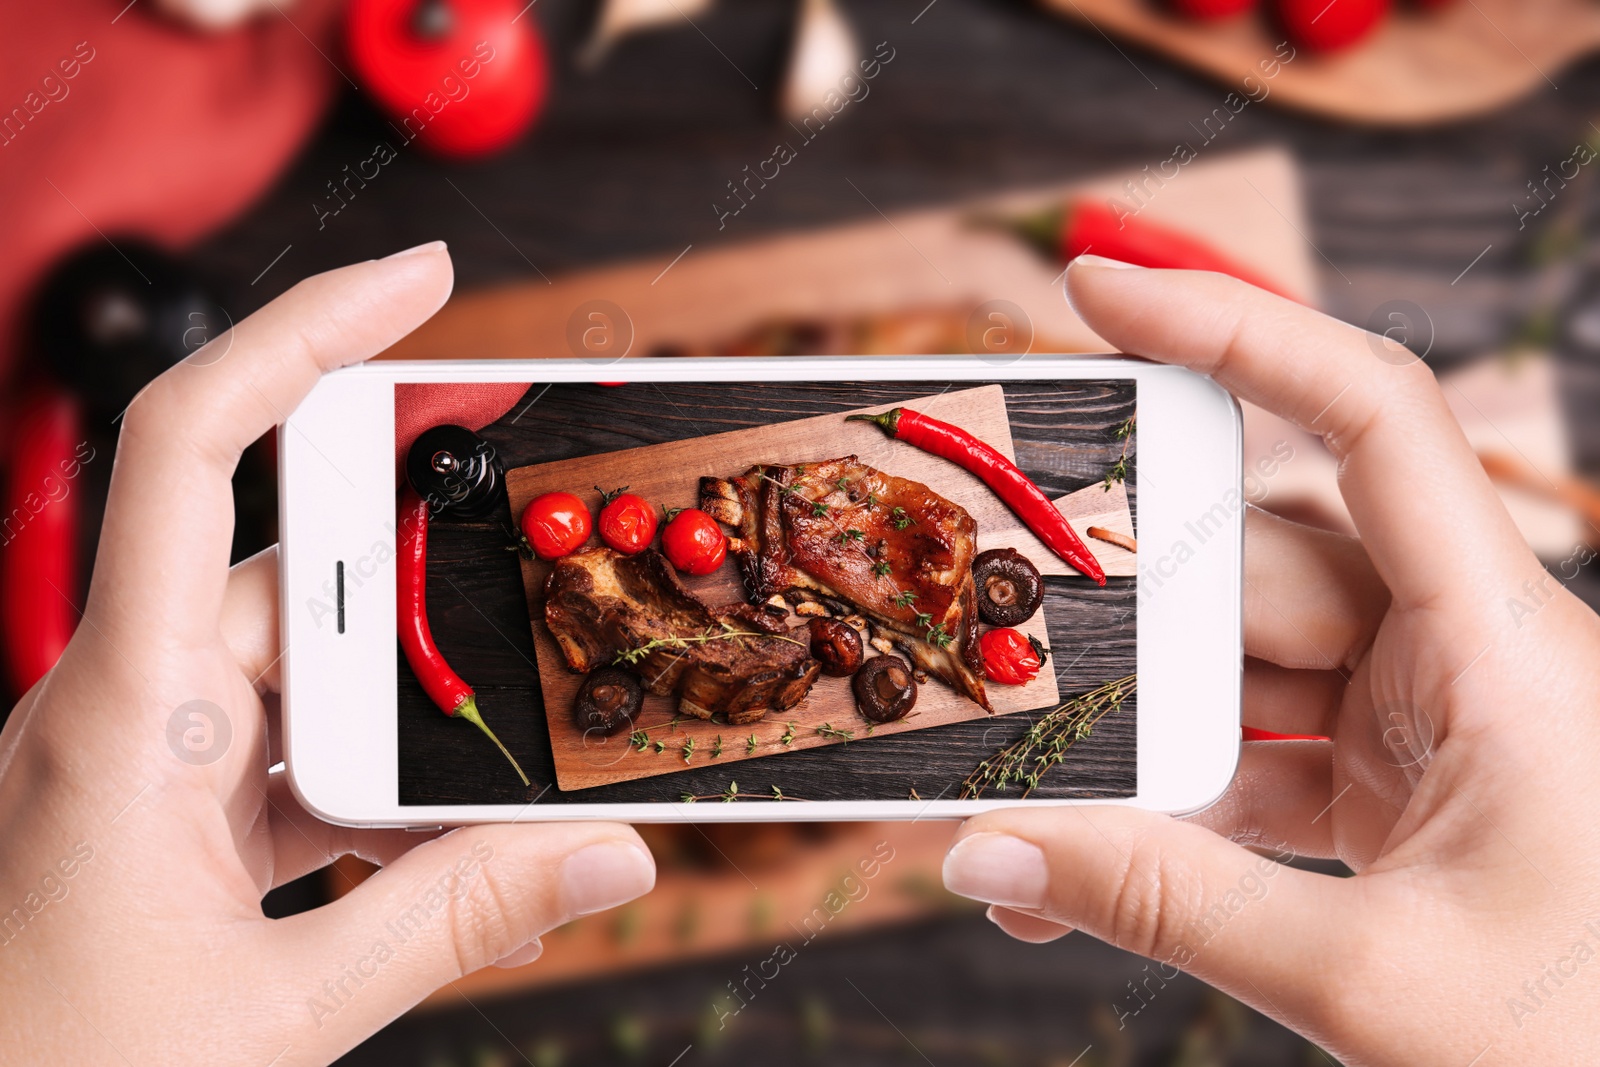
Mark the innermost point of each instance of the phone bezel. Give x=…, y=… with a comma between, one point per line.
x=336, y=498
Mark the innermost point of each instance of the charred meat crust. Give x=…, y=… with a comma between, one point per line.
x=842, y=531
x=599, y=603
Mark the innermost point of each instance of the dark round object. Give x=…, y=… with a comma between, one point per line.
x=457, y=472
x=885, y=689
x=608, y=701
x=837, y=646
x=106, y=320
x=433, y=20
x=1009, y=587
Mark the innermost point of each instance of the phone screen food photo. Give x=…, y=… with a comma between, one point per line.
x=781, y=591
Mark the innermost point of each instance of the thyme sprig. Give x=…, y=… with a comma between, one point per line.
x=1026, y=760
x=731, y=794
x=634, y=656
x=1119, y=469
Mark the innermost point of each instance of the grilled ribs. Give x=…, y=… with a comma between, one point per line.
x=599, y=603
x=898, y=551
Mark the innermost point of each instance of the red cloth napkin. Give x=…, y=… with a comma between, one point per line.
x=419, y=407
x=115, y=120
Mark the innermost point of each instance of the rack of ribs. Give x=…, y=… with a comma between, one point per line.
x=738, y=663
x=893, y=548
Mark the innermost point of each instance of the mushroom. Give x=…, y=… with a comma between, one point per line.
x=837, y=646
x=608, y=701
x=885, y=689
x=1009, y=587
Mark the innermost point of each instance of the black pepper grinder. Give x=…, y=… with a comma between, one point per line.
x=457, y=472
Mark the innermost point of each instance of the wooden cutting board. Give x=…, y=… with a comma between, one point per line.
x=1247, y=204
x=669, y=474
x=1417, y=68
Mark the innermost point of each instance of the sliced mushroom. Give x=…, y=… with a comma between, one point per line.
x=810, y=609
x=1009, y=587
x=885, y=689
x=836, y=646
x=608, y=701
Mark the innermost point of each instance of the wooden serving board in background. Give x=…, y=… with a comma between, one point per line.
x=669, y=474
x=1418, y=67
x=1248, y=205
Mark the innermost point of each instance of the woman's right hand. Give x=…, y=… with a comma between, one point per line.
x=1459, y=681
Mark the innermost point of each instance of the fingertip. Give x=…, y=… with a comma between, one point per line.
x=1025, y=927
x=605, y=874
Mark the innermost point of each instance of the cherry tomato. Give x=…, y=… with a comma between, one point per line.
x=1328, y=25
x=693, y=541
x=555, y=524
x=1211, y=9
x=1010, y=657
x=627, y=522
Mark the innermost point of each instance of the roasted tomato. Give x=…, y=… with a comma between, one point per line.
x=693, y=541
x=627, y=522
x=1010, y=657
x=555, y=524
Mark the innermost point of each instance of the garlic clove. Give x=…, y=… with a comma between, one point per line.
x=619, y=18
x=825, y=51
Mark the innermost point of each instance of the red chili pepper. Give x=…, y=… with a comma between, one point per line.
x=39, y=535
x=998, y=473
x=443, y=685
x=1085, y=226
x=1251, y=733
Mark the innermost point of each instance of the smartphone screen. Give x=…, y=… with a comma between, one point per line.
x=823, y=610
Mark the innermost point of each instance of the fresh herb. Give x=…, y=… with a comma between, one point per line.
x=924, y=620
x=1119, y=469
x=900, y=519
x=639, y=739
x=634, y=656
x=660, y=747
x=827, y=729
x=688, y=749
x=881, y=568
x=872, y=500
x=818, y=509
x=937, y=635
x=788, y=736
x=716, y=747
x=904, y=599
x=1026, y=760
x=843, y=484
x=732, y=793
x=849, y=535
x=749, y=744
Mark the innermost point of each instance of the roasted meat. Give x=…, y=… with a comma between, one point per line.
x=843, y=531
x=600, y=605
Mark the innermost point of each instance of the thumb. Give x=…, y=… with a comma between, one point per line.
x=450, y=906
x=1164, y=889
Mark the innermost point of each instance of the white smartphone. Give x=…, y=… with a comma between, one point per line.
x=710, y=593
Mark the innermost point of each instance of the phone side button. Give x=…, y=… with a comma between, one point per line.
x=423, y=829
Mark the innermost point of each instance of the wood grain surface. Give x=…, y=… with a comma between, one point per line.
x=1062, y=434
x=1418, y=67
x=668, y=474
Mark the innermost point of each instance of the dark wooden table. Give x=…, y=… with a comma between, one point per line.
x=1065, y=438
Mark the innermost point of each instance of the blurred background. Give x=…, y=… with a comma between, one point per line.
x=628, y=178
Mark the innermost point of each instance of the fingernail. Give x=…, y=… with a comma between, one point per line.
x=1090, y=260
x=431, y=246
x=602, y=876
x=522, y=956
x=997, y=869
